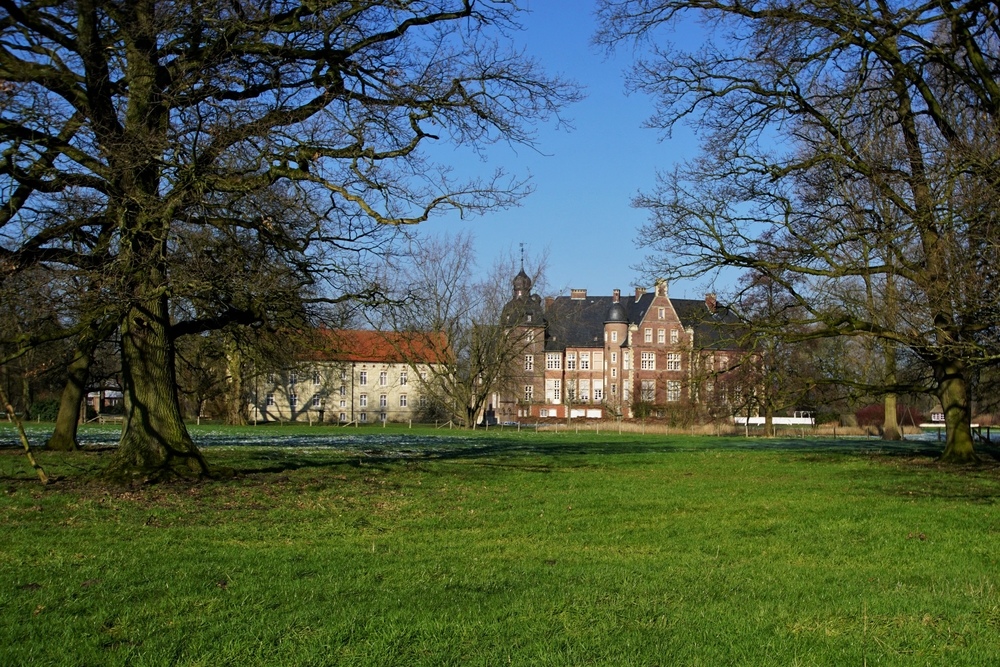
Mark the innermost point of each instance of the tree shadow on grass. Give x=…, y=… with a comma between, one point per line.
x=563, y=451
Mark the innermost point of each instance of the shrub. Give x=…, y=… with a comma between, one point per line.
x=45, y=410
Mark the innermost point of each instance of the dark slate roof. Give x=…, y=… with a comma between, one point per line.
x=523, y=310
x=617, y=313
x=718, y=330
x=637, y=307
x=580, y=322
x=576, y=322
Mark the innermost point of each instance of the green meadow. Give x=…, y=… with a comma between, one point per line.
x=329, y=546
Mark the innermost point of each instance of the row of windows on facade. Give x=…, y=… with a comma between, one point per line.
x=582, y=392
x=317, y=380
x=319, y=401
x=647, y=336
x=647, y=361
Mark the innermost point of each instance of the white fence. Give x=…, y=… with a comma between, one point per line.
x=777, y=421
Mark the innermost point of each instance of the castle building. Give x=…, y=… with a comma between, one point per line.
x=601, y=357
x=354, y=376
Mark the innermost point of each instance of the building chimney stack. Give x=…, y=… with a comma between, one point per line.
x=710, y=302
x=616, y=296
x=578, y=294
x=639, y=291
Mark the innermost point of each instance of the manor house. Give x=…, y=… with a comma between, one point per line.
x=604, y=357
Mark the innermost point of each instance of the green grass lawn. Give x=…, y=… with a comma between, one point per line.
x=403, y=547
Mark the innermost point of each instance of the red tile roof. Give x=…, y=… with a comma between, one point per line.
x=380, y=346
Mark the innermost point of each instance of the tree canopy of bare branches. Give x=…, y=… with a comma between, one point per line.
x=849, y=152
x=275, y=133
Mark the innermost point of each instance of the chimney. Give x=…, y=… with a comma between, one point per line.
x=616, y=296
x=578, y=294
x=639, y=291
x=549, y=300
x=661, y=287
x=710, y=302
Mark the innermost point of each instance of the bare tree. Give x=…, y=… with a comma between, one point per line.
x=446, y=301
x=799, y=99
x=177, y=117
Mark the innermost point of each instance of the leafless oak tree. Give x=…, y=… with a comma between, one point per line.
x=818, y=118
x=179, y=118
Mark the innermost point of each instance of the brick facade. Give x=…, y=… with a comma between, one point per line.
x=608, y=356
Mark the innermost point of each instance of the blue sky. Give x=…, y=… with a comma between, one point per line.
x=584, y=178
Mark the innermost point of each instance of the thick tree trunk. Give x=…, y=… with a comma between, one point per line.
x=953, y=392
x=769, y=422
x=64, y=436
x=154, y=439
x=890, y=425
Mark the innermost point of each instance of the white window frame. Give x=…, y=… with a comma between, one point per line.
x=647, y=390
x=647, y=361
x=553, y=361
x=673, y=391
x=673, y=361
x=647, y=335
x=403, y=401
x=585, y=361
x=529, y=362
x=571, y=361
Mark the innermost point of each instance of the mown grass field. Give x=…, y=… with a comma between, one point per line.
x=417, y=548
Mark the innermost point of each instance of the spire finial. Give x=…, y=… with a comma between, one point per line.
x=522, y=255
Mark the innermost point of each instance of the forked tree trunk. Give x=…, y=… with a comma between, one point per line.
x=64, y=436
x=154, y=439
x=953, y=392
x=890, y=425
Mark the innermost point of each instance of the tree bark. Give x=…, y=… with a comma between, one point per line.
x=155, y=442
x=63, y=438
x=237, y=413
x=890, y=425
x=953, y=392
